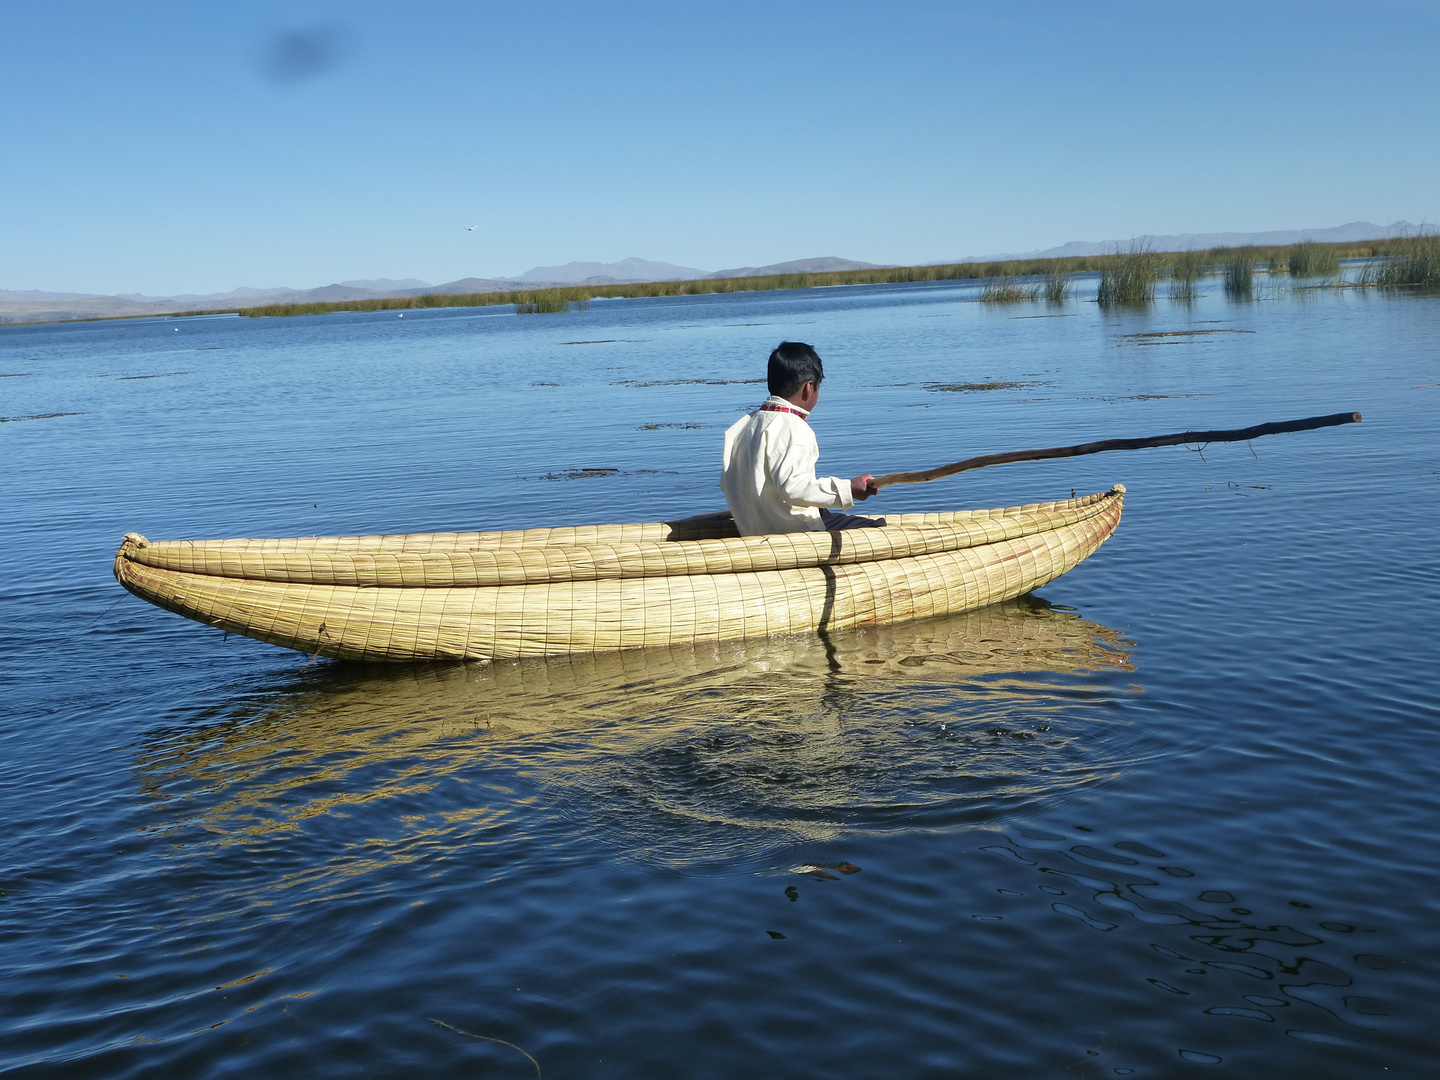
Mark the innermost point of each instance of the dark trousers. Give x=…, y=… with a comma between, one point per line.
x=836, y=522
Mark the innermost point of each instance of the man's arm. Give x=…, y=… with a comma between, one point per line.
x=792, y=470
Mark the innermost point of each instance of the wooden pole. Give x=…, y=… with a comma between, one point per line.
x=1178, y=439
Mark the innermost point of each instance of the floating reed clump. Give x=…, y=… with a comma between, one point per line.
x=1185, y=274
x=1057, y=286
x=1312, y=260
x=1417, y=262
x=1129, y=277
x=1009, y=290
x=1240, y=273
x=547, y=303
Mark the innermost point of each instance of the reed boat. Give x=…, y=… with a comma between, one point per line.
x=593, y=588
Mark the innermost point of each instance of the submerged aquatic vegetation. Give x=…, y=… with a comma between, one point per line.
x=1009, y=290
x=977, y=387
x=1312, y=260
x=1129, y=277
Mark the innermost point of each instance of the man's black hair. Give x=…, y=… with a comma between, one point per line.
x=792, y=365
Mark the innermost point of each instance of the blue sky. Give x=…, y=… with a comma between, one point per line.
x=166, y=148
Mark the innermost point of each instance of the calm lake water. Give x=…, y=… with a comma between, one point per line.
x=1176, y=814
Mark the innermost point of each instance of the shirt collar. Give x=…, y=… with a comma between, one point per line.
x=776, y=399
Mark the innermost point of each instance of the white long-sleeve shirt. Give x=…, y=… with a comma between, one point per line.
x=768, y=474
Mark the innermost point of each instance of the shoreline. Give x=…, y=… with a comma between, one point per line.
x=560, y=298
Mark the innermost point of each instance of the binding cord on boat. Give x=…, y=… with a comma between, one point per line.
x=322, y=630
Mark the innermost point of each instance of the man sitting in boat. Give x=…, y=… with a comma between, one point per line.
x=769, y=465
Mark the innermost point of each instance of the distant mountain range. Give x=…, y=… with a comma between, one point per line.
x=628, y=271
x=1340, y=234
x=37, y=306
x=624, y=271
x=826, y=265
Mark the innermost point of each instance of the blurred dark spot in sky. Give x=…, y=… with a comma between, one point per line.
x=296, y=56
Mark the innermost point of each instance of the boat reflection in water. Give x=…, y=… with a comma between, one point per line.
x=676, y=753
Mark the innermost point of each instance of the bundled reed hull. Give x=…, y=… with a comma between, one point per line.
x=539, y=592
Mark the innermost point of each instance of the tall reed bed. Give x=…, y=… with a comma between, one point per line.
x=548, y=304
x=1057, y=286
x=1312, y=260
x=1010, y=290
x=1239, y=273
x=1129, y=277
x=1416, y=263
x=1185, y=271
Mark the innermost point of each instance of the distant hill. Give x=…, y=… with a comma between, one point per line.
x=636, y=270
x=83, y=307
x=824, y=265
x=1354, y=232
x=33, y=296
x=240, y=295
x=385, y=284
x=626, y=270
x=465, y=285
